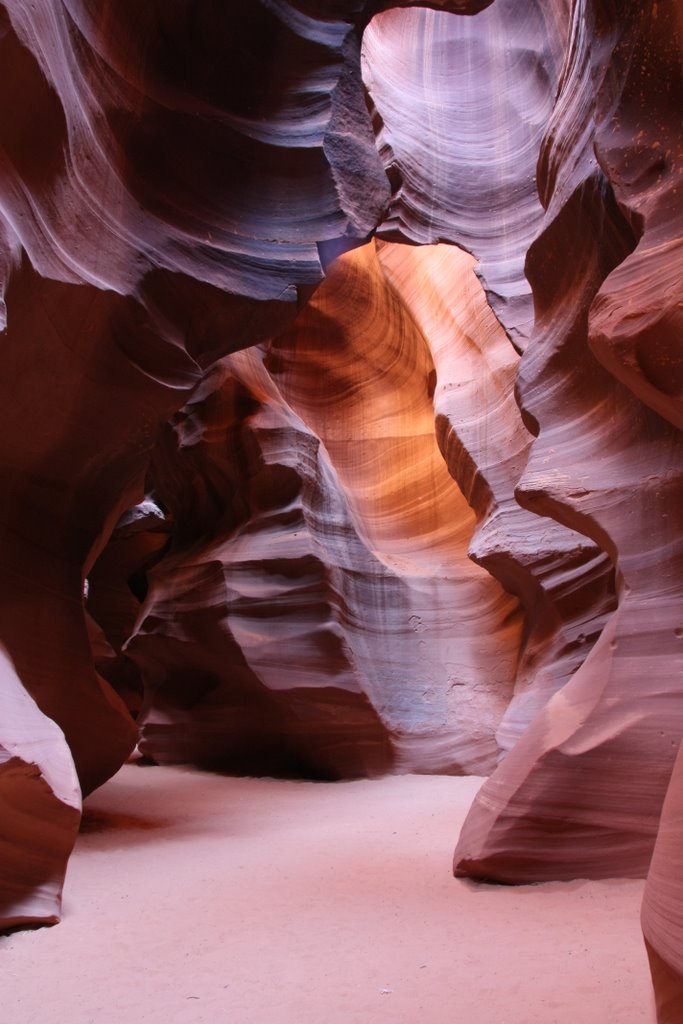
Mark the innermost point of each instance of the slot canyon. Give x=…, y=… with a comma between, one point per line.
x=342, y=349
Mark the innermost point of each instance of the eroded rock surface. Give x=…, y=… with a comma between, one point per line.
x=311, y=499
x=563, y=580
x=460, y=106
x=347, y=475
x=130, y=262
x=609, y=466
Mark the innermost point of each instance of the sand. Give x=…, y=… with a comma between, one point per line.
x=195, y=897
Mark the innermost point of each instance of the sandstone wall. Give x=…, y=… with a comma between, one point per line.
x=342, y=377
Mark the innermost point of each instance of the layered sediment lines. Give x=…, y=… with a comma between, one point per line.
x=460, y=106
x=344, y=545
x=396, y=517
x=563, y=580
x=130, y=261
x=566, y=801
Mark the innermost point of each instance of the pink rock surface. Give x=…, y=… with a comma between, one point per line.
x=40, y=807
x=563, y=580
x=461, y=105
x=566, y=802
x=662, y=909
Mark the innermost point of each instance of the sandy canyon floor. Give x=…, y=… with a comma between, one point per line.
x=194, y=897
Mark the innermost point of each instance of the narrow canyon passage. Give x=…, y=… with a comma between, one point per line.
x=342, y=391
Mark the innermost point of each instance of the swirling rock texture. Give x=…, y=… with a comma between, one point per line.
x=485, y=95
x=330, y=528
x=460, y=106
x=129, y=262
x=563, y=580
x=175, y=183
x=570, y=773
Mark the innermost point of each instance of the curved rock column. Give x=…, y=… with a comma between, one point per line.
x=460, y=107
x=563, y=580
x=581, y=793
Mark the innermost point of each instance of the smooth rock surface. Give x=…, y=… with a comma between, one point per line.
x=40, y=808
x=566, y=801
x=461, y=105
x=564, y=581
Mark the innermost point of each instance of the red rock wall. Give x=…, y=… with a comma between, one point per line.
x=398, y=518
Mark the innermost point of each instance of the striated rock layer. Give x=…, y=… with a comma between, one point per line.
x=340, y=443
x=567, y=801
x=315, y=513
x=563, y=580
x=460, y=106
x=130, y=262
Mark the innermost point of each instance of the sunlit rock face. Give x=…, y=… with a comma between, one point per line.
x=463, y=104
x=130, y=262
x=563, y=580
x=316, y=516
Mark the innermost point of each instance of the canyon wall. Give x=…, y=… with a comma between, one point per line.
x=342, y=377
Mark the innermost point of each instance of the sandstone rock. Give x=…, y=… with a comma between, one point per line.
x=566, y=802
x=135, y=275
x=662, y=912
x=175, y=182
x=461, y=105
x=563, y=580
x=287, y=481
x=40, y=804
x=116, y=587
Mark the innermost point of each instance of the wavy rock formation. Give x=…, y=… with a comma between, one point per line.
x=312, y=502
x=460, y=106
x=116, y=586
x=240, y=641
x=129, y=262
x=143, y=262
x=563, y=580
x=566, y=802
x=484, y=89
x=176, y=180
